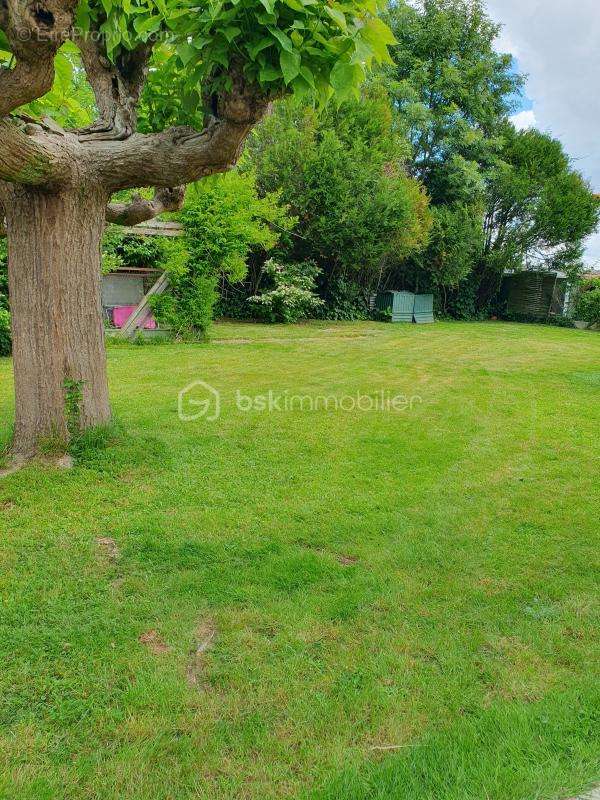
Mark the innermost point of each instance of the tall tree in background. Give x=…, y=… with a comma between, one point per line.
x=539, y=210
x=56, y=184
x=452, y=88
x=452, y=92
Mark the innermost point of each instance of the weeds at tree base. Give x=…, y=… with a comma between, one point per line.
x=88, y=443
x=55, y=450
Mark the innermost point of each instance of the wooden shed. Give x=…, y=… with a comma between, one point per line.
x=535, y=293
x=126, y=287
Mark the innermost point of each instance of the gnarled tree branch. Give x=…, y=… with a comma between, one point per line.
x=24, y=83
x=140, y=210
x=183, y=155
x=35, y=31
x=44, y=154
x=31, y=155
x=117, y=87
x=130, y=214
x=177, y=156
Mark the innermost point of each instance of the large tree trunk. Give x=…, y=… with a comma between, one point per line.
x=54, y=242
x=54, y=190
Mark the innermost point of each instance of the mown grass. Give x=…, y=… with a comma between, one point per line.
x=399, y=605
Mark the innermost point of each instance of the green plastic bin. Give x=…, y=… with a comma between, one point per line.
x=401, y=304
x=423, y=308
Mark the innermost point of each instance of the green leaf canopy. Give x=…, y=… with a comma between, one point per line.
x=282, y=45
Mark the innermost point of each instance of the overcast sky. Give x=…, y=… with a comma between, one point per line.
x=557, y=43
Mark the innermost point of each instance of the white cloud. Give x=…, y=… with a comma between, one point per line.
x=524, y=120
x=557, y=46
x=593, y=252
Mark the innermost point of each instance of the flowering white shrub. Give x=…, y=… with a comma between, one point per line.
x=292, y=296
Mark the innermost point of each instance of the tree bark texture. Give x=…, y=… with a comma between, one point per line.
x=58, y=335
x=117, y=89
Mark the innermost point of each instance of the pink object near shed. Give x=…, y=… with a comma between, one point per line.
x=121, y=314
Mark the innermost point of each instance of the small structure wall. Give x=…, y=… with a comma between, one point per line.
x=120, y=289
x=536, y=294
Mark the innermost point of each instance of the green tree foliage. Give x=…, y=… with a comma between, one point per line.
x=224, y=222
x=342, y=174
x=121, y=249
x=70, y=102
x=452, y=91
x=166, y=100
x=455, y=244
x=421, y=183
x=298, y=45
x=539, y=211
x=588, y=303
x=319, y=47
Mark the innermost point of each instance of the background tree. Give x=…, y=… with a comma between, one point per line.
x=56, y=184
x=451, y=87
x=452, y=92
x=342, y=174
x=499, y=199
x=539, y=210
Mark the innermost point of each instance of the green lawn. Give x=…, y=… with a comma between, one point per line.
x=396, y=605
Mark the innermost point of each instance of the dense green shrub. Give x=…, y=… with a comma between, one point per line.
x=343, y=299
x=342, y=174
x=121, y=249
x=224, y=221
x=460, y=301
x=588, y=304
x=234, y=304
x=5, y=337
x=290, y=293
x=444, y=267
x=189, y=312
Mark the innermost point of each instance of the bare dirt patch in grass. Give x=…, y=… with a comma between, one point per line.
x=154, y=642
x=108, y=547
x=347, y=561
x=204, y=638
